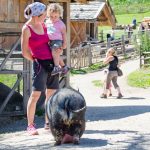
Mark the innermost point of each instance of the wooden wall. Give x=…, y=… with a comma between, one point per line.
x=11, y=19
x=78, y=33
x=12, y=14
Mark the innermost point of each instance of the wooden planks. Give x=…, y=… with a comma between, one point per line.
x=78, y=33
x=3, y=10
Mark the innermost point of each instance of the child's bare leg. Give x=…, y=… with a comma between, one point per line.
x=61, y=62
x=110, y=92
x=56, y=57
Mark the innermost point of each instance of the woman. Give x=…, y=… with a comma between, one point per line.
x=112, y=75
x=34, y=43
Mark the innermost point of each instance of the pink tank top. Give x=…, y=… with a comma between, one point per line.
x=38, y=45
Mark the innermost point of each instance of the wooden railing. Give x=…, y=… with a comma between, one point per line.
x=95, y=51
x=145, y=59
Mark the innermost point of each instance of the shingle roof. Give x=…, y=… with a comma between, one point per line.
x=89, y=11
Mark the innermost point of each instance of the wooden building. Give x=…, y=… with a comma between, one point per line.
x=11, y=22
x=85, y=19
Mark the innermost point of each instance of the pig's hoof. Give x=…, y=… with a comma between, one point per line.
x=57, y=143
x=76, y=141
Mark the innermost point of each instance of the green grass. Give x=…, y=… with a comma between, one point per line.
x=123, y=19
x=127, y=18
x=9, y=80
x=131, y=8
x=97, y=83
x=92, y=68
x=139, y=78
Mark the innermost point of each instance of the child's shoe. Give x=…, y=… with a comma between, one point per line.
x=65, y=70
x=56, y=70
x=103, y=96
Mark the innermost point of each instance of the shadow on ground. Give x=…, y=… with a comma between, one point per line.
x=84, y=143
x=133, y=98
x=114, y=112
x=20, y=125
x=92, y=114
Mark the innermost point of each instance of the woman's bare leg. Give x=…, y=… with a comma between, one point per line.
x=49, y=93
x=31, y=106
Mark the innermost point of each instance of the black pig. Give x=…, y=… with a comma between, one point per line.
x=66, y=113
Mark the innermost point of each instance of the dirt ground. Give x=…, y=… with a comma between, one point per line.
x=112, y=124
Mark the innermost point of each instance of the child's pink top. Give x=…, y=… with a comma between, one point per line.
x=54, y=29
x=38, y=45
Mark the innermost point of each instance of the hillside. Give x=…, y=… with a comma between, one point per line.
x=130, y=6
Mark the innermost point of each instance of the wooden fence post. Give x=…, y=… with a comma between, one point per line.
x=90, y=55
x=140, y=57
x=123, y=45
x=101, y=35
x=27, y=82
x=108, y=43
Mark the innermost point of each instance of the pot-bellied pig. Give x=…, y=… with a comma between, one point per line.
x=66, y=113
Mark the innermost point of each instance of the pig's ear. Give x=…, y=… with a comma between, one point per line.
x=79, y=110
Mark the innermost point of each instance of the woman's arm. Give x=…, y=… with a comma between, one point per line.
x=24, y=43
x=108, y=59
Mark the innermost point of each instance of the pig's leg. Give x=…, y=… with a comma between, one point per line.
x=58, y=136
x=76, y=139
x=76, y=128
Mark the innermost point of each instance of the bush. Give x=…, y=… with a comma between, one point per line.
x=145, y=42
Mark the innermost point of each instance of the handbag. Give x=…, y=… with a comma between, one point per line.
x=120, y=73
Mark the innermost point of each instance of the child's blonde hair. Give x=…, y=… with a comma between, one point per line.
x=54, y=7
x=112, y=51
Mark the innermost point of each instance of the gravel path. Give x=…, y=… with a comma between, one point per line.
x=112, y=124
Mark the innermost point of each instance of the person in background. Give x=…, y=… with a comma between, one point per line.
x=104, y=86
x=129, y=30
x=134, y=23
x=56, y=30
x=142, y=28
x=112, y=34
x=34, y=44
x=112, y=75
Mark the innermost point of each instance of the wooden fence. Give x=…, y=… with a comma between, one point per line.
x=145, y=59
x=94, y=52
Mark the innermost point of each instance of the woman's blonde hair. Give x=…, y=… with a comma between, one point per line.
x=112, y=51
x=54, y=7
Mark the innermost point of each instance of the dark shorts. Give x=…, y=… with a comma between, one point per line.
x=42, y=79
x=55, y=44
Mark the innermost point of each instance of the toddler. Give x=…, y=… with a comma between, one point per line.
x=56, y=30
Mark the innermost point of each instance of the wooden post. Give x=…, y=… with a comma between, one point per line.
x=66, y=7
x=89, y=55
x=27, y=82
x=140, y=57
x=109, y=43
x=123, y=45
x=101, y=35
